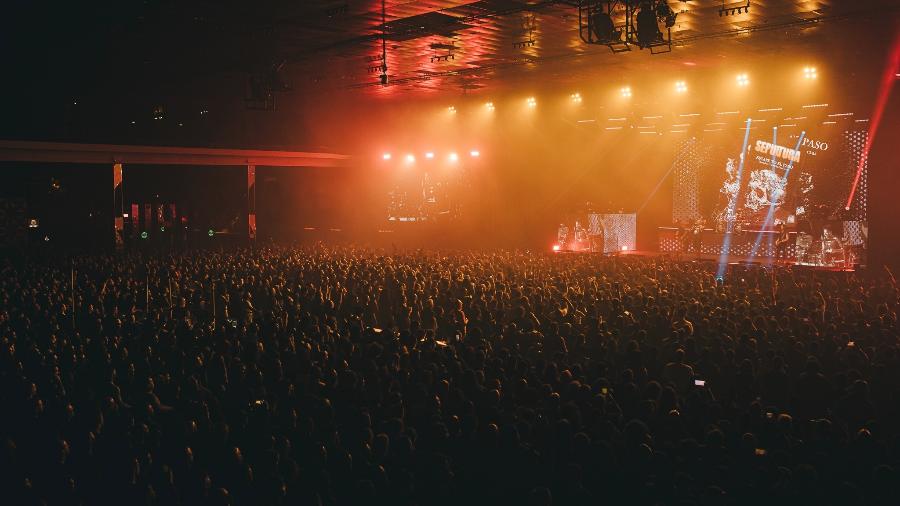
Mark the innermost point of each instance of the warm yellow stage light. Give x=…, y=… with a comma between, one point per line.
x=453, y=157
x=810, y=73
x=429, y=155
x=576, y=98
x=489, y=106
x=386, y=156
x=626, y=92
x=474, y=153
x=410, y=158
x=451, y=109
x=532, y=102
x=681, y=87
x=743, y=80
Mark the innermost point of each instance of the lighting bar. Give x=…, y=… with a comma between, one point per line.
x=758, y=120
x=677, y=131
x=654, y=132
x=829, y=122
x=613, y=128
x=652, y=117
x=644, y=127
x=814, y=106
x=716, y=124
x=587, y=121
x=788, y=125
x=689, y=115
x=861, y=120
x=617, y=119
x=682, y=125
x=712, y=129
x=771, y=109
x=840, y=115
x=724, y=113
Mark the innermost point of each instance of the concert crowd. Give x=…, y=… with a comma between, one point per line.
x=338, y=376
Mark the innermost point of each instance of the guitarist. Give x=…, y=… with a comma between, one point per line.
x=781, y=243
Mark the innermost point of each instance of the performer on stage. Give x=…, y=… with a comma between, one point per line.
x=781, y=243
x=696, y=235
x=580, y=236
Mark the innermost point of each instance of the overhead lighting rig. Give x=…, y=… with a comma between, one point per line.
x=735, y=8
x=384, y=68
x=638, y=24
x=437, y=46
x=528, y=24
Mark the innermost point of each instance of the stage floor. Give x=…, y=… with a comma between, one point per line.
x=705, y=257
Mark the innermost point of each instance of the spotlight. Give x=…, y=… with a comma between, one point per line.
x=626, y=92
x=556, y=247
x=532, y=102
x=624, y=248
x=451, y=110
x=681, y=86
x=386, y=156
x=743, y=80
x=810, y=73
x=576, y=98
x=663, y=11
x=474, y=153
x=604, y=29
x=647, y=27
x=410, y=158
x=429, y=155
x=453, y=157
x=489, y=106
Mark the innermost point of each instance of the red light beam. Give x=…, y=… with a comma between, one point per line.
x=884, y=92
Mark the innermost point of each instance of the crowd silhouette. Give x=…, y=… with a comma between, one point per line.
x=338, y=376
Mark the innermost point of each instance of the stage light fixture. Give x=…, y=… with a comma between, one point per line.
x=576, y=98
x=743, y=80
x=604, y=28
x=810, y=73
x=681, y=87
x=647, y=26
x=410, y=158
x=532, y=102
x=474, y=153
x=451, y=110
x=386, y=156
x=556, y=247
x=489, y=106
x=429, y=155
x=626, y=92
x=144, y=235
x=453, y=157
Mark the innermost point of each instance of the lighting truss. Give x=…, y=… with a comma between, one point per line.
x=443, y=57
x=597, y=25
x=735, y=8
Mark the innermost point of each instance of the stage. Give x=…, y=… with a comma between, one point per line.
x=712, y=259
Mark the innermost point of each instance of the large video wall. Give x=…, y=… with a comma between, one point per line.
x=762, y=178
